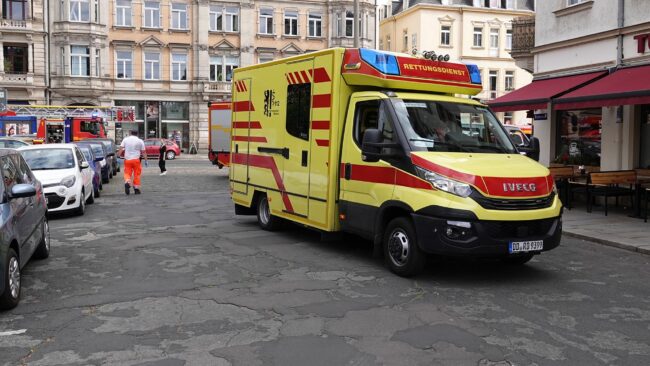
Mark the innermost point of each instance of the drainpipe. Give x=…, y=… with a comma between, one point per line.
x=621, y=24
x=48, y=60
x=356, y=24
x=620, y=115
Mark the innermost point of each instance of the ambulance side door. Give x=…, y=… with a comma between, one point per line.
x=364, y=186
x=242, y=107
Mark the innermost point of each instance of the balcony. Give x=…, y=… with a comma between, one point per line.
x=12, y=79
x=20, y=25
x=523, y=42
x=218, y=87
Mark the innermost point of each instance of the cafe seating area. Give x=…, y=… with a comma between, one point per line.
x=628, y=188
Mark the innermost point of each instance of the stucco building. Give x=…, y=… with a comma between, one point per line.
x=469, y=31
x=23, y=66
x=591, y=93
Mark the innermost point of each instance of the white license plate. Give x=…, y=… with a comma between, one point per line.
x=526, y=246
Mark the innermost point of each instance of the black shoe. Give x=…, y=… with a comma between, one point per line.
x=127, y=188
x=137, y=191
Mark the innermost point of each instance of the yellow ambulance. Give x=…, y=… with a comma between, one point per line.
x=377, y=144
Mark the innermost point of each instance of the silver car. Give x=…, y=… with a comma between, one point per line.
x=24, y=230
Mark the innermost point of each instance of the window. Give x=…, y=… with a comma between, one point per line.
x=15, y=9
x=494, y=42
x=79, y=61
x=151, y=14
x=414, y=41
x=478, y=37
x=508, y=39
x=266, y=21
x=152, y=65
x=574, y=2
x=445, y=35
x=15, y=58
x=405, y=43
x=493, y=80
x=315, y=25
x=510, y=80
x=339, y=27
x=349, y=24
x=79, y=10
x=388, y=43
x=124, y=64
x=98, y=64
x=232, y=19
x=298, y=110
x=371, y=114
x=179, y=16
x=290, y=22
x=179, y=66
x=222, y=67
x=216, y=18
x=123, y=13
x=579, y=137
x=10, y=174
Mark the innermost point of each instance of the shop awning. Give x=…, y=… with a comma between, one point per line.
x=537, y=94
x=622, y=87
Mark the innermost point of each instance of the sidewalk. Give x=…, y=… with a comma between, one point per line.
x=616, y=229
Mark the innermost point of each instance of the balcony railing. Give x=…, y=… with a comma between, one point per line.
x=22, y=24
x=21, y=79
x=523, y=35
x=218, y=86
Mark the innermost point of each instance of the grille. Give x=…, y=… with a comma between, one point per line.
x=517, y=229
x=54, y=200
x=514, y=204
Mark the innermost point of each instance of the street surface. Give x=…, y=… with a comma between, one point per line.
x=172, y=277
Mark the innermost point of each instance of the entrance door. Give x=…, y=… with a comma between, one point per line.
x=240, y=133
x=295, y=174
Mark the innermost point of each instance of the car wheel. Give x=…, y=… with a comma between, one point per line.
x=264, y=217
x=82, y=204
x=170, y=155
x=11, y=295
x=43, y=249
x=91, y=199
x=518, y=260
x=96, y=192
x=401, y=250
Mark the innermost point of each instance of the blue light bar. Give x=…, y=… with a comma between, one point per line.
x=385, y=63
x=474, y=73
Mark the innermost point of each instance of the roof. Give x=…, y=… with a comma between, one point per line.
x=398, y=6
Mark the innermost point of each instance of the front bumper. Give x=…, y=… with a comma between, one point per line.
x=483, y=238
x=62, y=200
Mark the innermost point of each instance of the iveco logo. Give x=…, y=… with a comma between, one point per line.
x=519, y=187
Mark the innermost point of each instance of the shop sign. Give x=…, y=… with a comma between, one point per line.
x=642, y=41
x=541, y=116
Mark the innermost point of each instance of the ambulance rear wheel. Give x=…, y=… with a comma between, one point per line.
x=264, y=218
x=401, y=251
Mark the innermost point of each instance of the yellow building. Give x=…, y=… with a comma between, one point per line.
x=478, y=32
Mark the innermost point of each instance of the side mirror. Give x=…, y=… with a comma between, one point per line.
x=83, y=165
x=532, y=150
x=370, y=145
x=22, y=190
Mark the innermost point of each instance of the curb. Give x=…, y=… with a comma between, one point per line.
x=609, y=243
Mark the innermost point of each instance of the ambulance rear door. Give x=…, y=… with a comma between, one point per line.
x=242, y=106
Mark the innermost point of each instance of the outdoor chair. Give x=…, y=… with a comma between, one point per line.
x=610, y=184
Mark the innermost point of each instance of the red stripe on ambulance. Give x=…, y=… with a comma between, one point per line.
x=321, y=142
x=320, y=125
x=249, y=138
x=320, y=75
x=321, y=101
x=265, y=162
x=253, y=125
x=243, y=106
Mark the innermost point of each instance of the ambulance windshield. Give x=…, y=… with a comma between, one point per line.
x=452, y=127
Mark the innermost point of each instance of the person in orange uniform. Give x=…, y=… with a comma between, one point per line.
x=133, y=148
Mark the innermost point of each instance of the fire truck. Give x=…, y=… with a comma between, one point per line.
x=219, y=136
x=381, y=145
x=56, y=124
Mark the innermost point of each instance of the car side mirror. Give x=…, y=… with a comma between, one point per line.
x=84, y=165
x=370, y=148
x=22, y=190
x=532, y=150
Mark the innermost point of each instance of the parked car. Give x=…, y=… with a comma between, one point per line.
x=152, y=147
x=111, y=151
x=95, y=166
x=64, y=173
x=28, y=139
x=11, y=143
x=23, y=224
x=100, y=151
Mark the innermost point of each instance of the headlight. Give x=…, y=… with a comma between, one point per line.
x=68, y=181
x=444, y=183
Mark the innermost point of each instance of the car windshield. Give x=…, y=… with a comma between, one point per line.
x=48, y=159
x=452, y=127
x=86, y=151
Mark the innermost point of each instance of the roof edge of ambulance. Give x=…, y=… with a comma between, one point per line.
x=291, y=58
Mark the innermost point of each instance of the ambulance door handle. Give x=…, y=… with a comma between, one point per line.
x=348, y=171
x=274, y=150
x=304, y=158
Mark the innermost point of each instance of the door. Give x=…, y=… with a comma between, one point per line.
x=295, y=173
x=19, y=206
x=364, y=185
x=240, y=136
x=86, y=173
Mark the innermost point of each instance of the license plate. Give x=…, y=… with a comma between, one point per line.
x=526, y=246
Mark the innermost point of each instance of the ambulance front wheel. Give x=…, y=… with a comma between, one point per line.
x=401, y=251
x=264, y=217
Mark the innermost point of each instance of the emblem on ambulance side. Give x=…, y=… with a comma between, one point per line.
x=270, y=103
x=519, y=187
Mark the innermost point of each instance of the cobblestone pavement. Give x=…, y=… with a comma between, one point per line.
x=172, y=277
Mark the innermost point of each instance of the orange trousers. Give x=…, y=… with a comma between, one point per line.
x=132, y=168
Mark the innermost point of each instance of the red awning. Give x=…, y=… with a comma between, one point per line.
x=537, y=94
x=622, y=87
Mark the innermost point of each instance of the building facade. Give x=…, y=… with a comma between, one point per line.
x=23, y=51
x=469, y=31
x=594, y=57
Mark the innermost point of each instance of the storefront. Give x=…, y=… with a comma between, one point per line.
x=154, y=119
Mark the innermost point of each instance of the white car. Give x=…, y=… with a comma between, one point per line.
x=63, y=172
